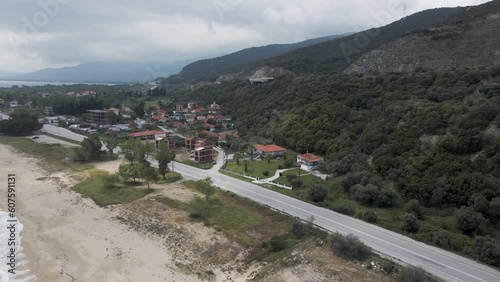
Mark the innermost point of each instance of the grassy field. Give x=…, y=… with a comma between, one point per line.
x=96, y=188
x=389, y=218
x=306, y=178
x=247, y=222
x=53, y=154
x=256, y=168
x=155, y=102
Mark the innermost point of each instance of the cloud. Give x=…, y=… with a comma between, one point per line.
x=50, y=33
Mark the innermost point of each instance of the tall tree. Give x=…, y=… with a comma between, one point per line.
x=164, y=156
x=206, y=187
x=111, y=143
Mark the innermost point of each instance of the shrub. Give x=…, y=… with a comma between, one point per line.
x=296, y=183
x=441, y=239
x=265, y=173
x=389, y=267
x=291, y=176
x=414, y=207
x=300, y=230
x=469, y=221
x=414, y=274
x=172, y=177
x=486, y=250
x=277, y=244
x=410, y=223
x=350, y=247
x=344, y=209
x=109, y=180
x=280, y=167
x=317, y=193
x=370, y=216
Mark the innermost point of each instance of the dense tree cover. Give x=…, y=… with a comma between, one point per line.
x=21, y=122
x=424, y=136
x=431, y=134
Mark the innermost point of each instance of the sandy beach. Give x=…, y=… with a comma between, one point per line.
x=68, y=238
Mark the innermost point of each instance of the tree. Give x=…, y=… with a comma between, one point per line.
x=370, y=216
x=442, y=239
x=139, y=109
x=494, y=210
x=414, y=207
x=149, y=174
x=479, y=203
x=410, y=223
x=206, y=187
x=22, y=122
x=469, y=221
x=245, y=162
x=317, y=193
x=130, y=171
x=268, y=158
x=486, y=250
x=414, y=274
x=237, y=156
x=92, y=147
x=136, y=152
x=110, y=143
x=349, y=247
x=164, y=156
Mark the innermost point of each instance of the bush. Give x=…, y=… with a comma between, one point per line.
x=296, y=183
x=109, y=180
x=410, y=223
x=277, y=244
x=300, y=230
x=389, y=267
x=414, y=207
x=291, y=176
x=172, y=177
x=350, y=247
x=317, y=193
x=370, y=216
x=344, y=209
x=469, y=221
x=265, y=173
x=486, y=250
x=280, y=167
x=414, y=274
x=441, y=239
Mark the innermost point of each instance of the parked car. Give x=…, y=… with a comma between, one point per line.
x=35, y=137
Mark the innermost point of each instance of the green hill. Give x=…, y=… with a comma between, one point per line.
x=469, y=39
x=337, y=55
x=235, y=61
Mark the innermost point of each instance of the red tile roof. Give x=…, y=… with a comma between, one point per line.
x=145, y=133
x=310, y=158
x=269, y=148
x=178, y=124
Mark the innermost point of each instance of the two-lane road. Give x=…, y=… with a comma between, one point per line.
x=442, y=264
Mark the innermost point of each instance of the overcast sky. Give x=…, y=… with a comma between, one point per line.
x=36, y=34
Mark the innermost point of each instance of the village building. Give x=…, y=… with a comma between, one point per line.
x=170, y=142
x=308, y=162
x=148, y=135
x=272, y=150
x=99, y=117
x=114, y=110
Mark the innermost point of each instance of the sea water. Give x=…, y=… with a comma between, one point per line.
x=22, y=273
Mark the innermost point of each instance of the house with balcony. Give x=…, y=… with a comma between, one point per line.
x=308, y=162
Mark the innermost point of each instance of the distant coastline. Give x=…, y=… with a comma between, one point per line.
x=10, y=83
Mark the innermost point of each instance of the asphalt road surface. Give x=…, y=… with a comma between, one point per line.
x=441, y=263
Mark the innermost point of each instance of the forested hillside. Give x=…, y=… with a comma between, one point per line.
x=426, y=136
x=205, y=69
x=467, y=40
x=337, y=55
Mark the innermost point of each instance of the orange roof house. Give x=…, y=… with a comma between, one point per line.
x=272, y=149
x=308, y=162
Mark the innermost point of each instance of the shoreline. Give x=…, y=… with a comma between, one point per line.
x=69, y=238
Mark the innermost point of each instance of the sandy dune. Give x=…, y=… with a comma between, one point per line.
x=67, y=238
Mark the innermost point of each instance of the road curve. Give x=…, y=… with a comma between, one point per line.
x=443, y=264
